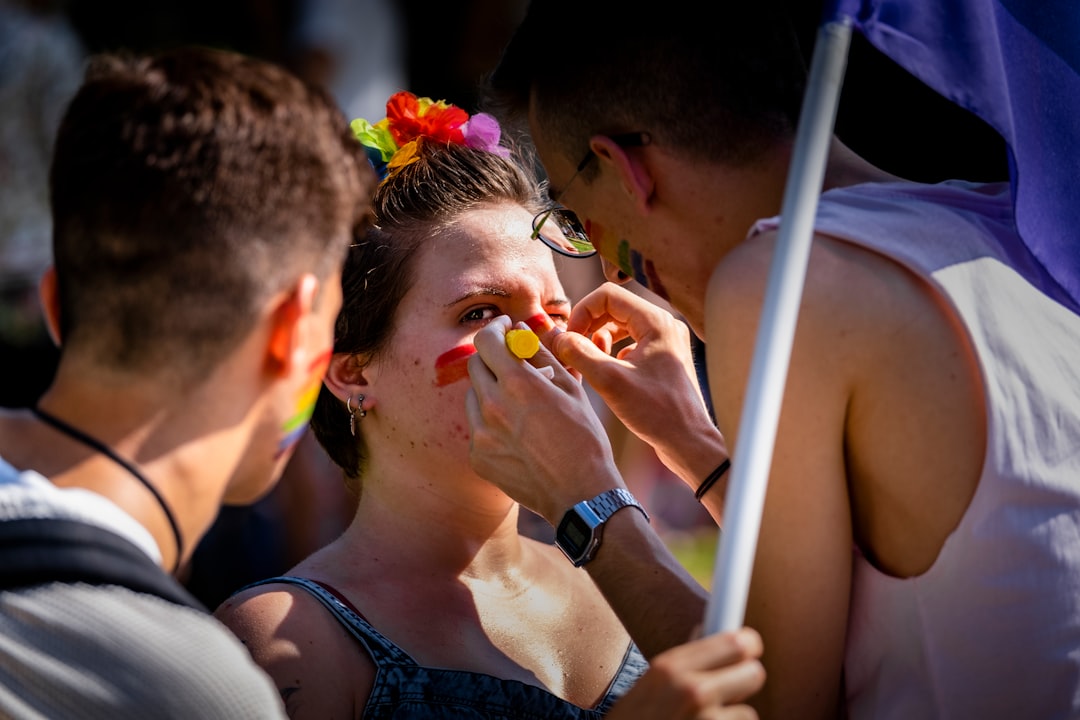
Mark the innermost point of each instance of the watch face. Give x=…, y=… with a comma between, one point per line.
x=575, y=538
x=574, y=534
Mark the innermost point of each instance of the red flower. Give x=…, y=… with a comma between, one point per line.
x=411, y=117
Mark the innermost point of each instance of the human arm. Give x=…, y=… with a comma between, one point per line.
x=541, y=442
x=650, y=384
x=802, y=571
x=315, y=665
x=704, y=678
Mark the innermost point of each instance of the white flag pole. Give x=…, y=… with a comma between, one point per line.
x=752, y=458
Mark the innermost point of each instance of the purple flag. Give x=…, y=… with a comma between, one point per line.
x=1016, y=65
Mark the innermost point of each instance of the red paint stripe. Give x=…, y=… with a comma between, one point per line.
x=452, y=365
x=654, y=281
x=539, y=323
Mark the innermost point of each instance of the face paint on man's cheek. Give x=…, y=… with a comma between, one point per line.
x=297, y=423
x=654, y=283
x=600, y=239
x=643, y=271
x=629, y=261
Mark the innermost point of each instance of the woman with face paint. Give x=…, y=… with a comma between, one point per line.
x=432, y=603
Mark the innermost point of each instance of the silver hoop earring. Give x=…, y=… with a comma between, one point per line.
x=354, y=411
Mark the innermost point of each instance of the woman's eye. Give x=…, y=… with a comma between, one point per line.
x=481, y=314
x=559, y=319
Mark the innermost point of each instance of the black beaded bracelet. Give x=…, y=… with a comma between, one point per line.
x=711, y=480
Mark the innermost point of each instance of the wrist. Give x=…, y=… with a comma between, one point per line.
x=693, y=461
x=712, y=479
x=585, y=482
x=580, y=532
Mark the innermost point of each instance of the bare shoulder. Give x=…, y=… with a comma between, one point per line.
x=868, y=329
x=255, y=613
x=889, y=372
x=832, y=301
x=318, y=667
x=849, y=293
x=876, y=444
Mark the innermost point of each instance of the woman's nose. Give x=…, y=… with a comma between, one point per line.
x=538, y=320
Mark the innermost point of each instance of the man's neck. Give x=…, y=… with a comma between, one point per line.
x=134, y=439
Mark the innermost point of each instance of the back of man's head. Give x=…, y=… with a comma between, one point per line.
x=187, y=189
x=721, y=81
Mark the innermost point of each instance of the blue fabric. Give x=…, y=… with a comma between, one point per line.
x=404, y=689
x=1016, y=65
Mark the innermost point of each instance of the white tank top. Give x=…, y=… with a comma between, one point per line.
x=992, y=629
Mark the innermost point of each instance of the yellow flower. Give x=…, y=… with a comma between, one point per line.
x=406, y=154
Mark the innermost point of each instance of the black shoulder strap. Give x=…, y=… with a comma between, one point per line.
x=35, y=551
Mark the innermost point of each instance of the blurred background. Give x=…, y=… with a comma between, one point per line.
x=363, y=51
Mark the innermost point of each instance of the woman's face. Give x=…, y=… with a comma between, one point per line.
x=484, y=266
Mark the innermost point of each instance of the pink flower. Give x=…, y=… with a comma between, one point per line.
x=482, y=132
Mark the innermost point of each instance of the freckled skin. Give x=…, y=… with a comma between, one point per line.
x=482, y=268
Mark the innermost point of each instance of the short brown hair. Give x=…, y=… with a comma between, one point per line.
x=188, y=187
x=719, y=81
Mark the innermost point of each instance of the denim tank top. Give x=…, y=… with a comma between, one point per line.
x=405, y=689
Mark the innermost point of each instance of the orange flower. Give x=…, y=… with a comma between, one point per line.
x=405, y=155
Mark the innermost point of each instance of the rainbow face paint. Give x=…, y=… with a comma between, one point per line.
x=654, y=283
x=629, y=261
x=295, y=426
x=452, y=365
x=643, y=271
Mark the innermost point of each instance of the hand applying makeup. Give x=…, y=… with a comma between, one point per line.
x=540, y=441
x=509, y=410
x=525, y=342
x=649, y=383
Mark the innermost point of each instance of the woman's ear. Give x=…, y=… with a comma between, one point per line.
x=631, y=169
x=347, y=376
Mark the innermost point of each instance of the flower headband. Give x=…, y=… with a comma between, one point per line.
x=391, y=143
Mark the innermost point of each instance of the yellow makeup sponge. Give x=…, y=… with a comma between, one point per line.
x=523, y=343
